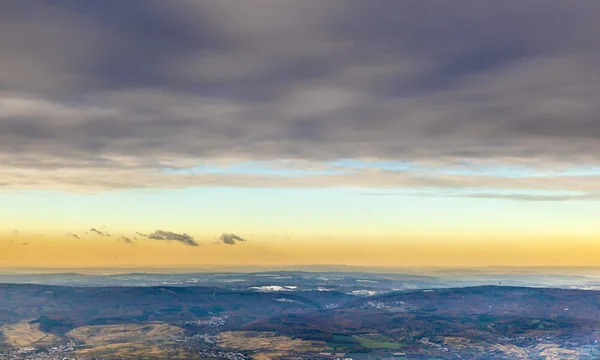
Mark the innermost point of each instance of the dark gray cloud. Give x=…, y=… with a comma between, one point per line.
x=98, y=232
x=89, y=89
x=230, y=239
x=171, y=236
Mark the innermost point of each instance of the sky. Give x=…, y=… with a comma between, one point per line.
x=276, y=132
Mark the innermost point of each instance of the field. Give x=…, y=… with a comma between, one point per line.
x=349, y=343
x=266, y=341
x=513, y=351
x=344, y=343
x=24, y=334
x=134, y=351
x=377, y=342
x=128, y=341
x=110, y=334
x=555, y=352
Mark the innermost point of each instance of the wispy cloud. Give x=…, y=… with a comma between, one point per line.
x=171, y=236
x=126, y=240
x=74, y=235
x=523, y=196
x=533, y=197
x=98, y=232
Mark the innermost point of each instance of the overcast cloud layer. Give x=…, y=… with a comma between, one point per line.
x=106, y=94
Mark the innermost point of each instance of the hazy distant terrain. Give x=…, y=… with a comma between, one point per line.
x=294, y=314
x=342, y=278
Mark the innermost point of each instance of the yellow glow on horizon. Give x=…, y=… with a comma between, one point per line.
x=557, y=251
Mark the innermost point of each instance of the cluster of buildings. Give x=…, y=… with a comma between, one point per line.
x=589, y=352
x=426, y=341
x=214, y=321
x=374, y=304
x=30, y=353
x=13, y=355
x=198, y=338
x=57, y=354
x=212, y=354
x=365, y=356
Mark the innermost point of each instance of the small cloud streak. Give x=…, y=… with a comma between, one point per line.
x=171, y=236
x=101, y=233
x=74, y=235
x=501, y=196
x=530, y=197
x=126, y=240
x=231, y=239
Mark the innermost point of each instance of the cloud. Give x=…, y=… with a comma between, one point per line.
x=98, y=232
x=75, y=236
x=550, y=196
x=171, y=236
x=530, y=197
x=126, y=240
x=380, y=179
x=99, y=92
x=231, y=239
